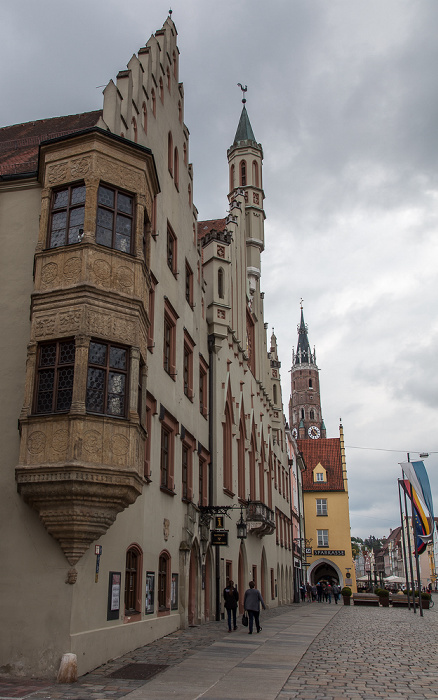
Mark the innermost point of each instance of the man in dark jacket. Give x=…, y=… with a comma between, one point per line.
x=231, y=596
x=251, y=603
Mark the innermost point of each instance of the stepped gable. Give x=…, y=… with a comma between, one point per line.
x=206, y=227
x=326, y=451
x=19, y=143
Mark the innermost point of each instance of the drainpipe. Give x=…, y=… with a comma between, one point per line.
x=210, y=468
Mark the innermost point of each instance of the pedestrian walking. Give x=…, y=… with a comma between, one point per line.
x=251, y=603
x=303, y=592
x=231, y=597
x=314, y=593
x=336, y=591
x=309, y=592
x=329, y=593
x=319, y=591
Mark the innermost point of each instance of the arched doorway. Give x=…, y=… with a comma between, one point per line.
x=263, y=575
x=241, y=568
x=193, y=615
x=325, y=570
x=207, y=586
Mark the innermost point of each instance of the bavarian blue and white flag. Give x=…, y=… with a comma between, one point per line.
x=417, y=475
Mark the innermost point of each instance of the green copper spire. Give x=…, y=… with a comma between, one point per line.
x=244, y=130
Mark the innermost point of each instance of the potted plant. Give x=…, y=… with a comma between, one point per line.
x=383, y=597
x=346, y=595
x=425, y=600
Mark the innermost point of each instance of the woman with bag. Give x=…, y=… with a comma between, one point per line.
x=251, y=603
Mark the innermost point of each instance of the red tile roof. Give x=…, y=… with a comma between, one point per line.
x=19, y=143
x=326, y=451
x=205, y=227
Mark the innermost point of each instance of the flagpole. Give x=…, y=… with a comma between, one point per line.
x=417, y=563
x=405, y=560
x=409, y=545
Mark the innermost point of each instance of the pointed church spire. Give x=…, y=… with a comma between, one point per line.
x=304, y=353
x=244, y=130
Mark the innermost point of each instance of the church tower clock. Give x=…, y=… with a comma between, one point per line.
x=305, y=417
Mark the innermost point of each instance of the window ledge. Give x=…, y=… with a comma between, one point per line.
x=229, y=493
x=169, y=492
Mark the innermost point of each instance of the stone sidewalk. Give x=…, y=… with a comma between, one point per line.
x=307, y=651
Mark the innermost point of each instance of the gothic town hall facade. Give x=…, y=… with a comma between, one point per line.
x=142, y=406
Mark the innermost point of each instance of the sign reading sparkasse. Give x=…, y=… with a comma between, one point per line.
x=329, y=552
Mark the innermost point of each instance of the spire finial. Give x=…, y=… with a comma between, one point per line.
x=170, y=13
x=244, y=88
x=301, y=303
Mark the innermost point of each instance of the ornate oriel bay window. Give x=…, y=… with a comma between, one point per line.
x=82, y=439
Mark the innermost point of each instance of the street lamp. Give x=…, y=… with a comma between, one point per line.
x=241, y=527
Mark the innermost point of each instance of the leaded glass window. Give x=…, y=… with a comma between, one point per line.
x=55, y=371
x=107, y=379
x=115, y=217
x=67, y=216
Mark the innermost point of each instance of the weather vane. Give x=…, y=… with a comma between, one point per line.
x=301, y=302
x=244, y=88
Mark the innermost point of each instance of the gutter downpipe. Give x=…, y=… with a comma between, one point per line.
x=210, y=467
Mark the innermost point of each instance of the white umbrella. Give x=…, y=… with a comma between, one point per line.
x=395, y=579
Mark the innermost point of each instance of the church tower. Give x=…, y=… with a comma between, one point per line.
x=305, y=416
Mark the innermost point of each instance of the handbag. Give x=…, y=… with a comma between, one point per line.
x=245, y=619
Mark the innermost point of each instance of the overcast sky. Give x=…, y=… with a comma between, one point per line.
x=343, y=96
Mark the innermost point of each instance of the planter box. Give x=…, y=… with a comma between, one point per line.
x=347, y=599
x=384, y=601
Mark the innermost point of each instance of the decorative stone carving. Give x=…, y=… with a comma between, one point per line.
x=60, y=440
x=49, y=273
x=220, y=313
x=92, y=442
x=166, y=528
x=125, y=279
x=69, y=321
x=119, y=445
x=72, y=576
x=36, y=442
x=102, y=271
x=57, y=173
x=77, y=505
x=45, y=326
x=72, y=269
x=80, y=166
x=221, y=251
x=119, y=174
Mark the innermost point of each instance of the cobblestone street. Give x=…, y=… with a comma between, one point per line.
x=307, y=651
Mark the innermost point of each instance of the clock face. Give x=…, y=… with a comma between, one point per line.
x=314, y=432
x=295, y=433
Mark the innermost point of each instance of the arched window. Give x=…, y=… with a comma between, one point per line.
x=161, y=90
x=274, y=391
x=252, y=469
x=220, y=283
x=185, y=154
x=241, y=461
x=255, y=173
x=175, y=66
x=170, y=153
x=227, y=450
x=168, y=77
x=242, y=173
x=145, y=118
x=134, y=126
x=164, y=582
x=302, y=413
x=176, y=167
x=133, y=568
x=232, y=178
x=310, y=384
x=190, y=194
x=312, y=414
x=180, y=111
x=154, y=102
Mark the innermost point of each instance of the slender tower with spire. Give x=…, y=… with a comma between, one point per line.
x=305, y=415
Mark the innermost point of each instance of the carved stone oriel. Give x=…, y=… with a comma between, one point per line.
x=77, y=505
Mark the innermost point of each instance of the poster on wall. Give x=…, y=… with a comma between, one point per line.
x=114, y=584
x=150, y=590
x=174, y=593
